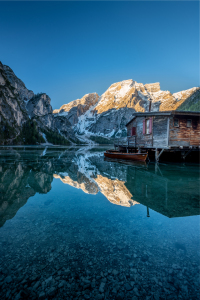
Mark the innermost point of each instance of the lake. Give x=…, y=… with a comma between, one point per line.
x=74, y=225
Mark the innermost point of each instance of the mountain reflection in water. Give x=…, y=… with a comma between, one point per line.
x=71, y=241
x=171, y=190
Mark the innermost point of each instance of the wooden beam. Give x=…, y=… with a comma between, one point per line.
x=159, y=154
x=168, y=131
x=184, y=156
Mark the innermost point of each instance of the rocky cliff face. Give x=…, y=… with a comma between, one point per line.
x=107, y=115
x=12, y=106
x=76, y=108
x=19, y=105
x=17, y=84
x=39, y=106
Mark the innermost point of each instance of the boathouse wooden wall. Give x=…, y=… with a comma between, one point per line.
x=141, y=139
x=183, y=135
x=160, y=131
x=130, y=125
x=157, y=138
x=164, y=133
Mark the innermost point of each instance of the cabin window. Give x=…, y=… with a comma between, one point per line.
x=147, y=126
x=194, y=124
x=189, y=123
x=176, y=122
x=133, y=131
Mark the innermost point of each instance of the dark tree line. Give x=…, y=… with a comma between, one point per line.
x=55, y=138
x=6, y=132
x=30, y=134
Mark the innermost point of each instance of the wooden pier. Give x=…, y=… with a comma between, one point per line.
x=161, y=133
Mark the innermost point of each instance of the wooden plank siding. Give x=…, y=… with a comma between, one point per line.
x=141, y=139
x=165, y=134
x=130, y=125
x=183, y=135
x=160, y=136
x=145, y=140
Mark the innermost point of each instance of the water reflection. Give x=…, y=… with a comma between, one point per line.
x=70, y=240
x=158, y=187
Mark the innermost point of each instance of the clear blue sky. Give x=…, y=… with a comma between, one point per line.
x=68, y=49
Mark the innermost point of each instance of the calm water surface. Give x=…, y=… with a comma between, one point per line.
x=76, y=226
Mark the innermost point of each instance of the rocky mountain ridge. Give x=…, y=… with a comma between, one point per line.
x=91, y=119
x=108, y=114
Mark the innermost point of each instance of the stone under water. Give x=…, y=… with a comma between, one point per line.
x=74, y=225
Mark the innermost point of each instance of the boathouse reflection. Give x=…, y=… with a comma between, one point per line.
x=171, y=190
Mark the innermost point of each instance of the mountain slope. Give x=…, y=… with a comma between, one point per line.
x=108, y=114
x=192, y=103
x=27, y=118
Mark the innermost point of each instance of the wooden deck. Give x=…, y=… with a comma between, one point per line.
x=129, y=145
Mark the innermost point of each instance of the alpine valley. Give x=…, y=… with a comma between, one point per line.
x=28, y=118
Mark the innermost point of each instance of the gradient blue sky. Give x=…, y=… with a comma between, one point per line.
x=68, y=49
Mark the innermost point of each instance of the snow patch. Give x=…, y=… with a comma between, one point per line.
x=44, y=137
x=186, y=93
x=44, y=152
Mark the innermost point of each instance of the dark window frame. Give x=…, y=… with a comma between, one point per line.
x=176, y=119
x=147, y=121
x=194, y=123
x=190, y=123
x=133, y=130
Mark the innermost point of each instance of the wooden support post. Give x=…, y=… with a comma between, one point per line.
x=158, y=154
x=156, y=168
x=148, y=215
x=184, y=156
x=166, y=193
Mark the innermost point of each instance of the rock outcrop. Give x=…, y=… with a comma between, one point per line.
x=76, y=108
x=18, y=84
x=19, y=105
x=12, y=106
x=39, y=106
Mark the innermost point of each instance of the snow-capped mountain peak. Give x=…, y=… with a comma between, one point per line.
x=106, y=116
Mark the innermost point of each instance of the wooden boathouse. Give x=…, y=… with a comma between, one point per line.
x=159, y=132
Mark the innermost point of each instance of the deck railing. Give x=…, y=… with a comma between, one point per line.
x=126, y=141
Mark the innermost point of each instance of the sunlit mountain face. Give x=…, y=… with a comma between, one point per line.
x=74, y=223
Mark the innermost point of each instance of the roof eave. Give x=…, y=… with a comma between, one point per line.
x=164, y=113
